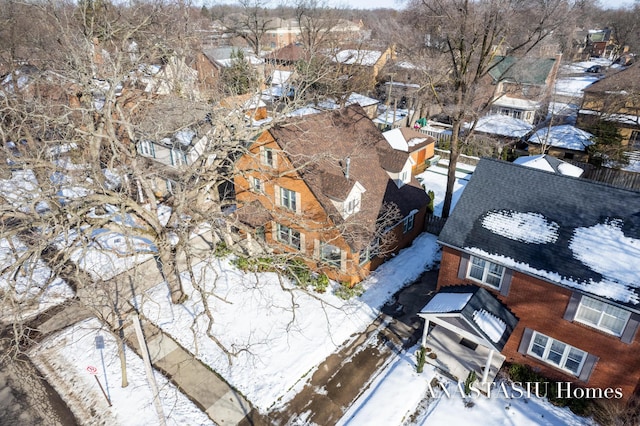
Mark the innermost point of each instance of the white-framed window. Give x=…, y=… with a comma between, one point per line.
x=485, y=272
x=170, y=186
x=267, y=157
x=288, y=236
x=557, y=353
x=330, y=254
x=146, y=148
x=178, y=158
x=602, y=316
x=407, y=223
x=403, y=176
x=352, y=206
x=370, y=252
x=256, y=184
x=288, y=199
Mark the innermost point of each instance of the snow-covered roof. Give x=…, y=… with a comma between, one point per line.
x=354, y=98
x=280, y=77
x=398, y=142
x=490, y=324
x=550, y=164
x=564, y=136
x=502, y=125
x=517, y=103
x=391, y=116
x=475, y=306
x=359, y=57
x=447, y=302
x=575, y=233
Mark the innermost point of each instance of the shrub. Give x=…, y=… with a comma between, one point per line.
x=221, y=250
x=469, y=381
x=345, y=291
x=421, y=358
x=523, y=374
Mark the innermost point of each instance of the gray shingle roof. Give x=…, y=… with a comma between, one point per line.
x=587, y=233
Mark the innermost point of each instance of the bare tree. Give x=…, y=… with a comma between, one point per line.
x=472, y=35
x=252, y=23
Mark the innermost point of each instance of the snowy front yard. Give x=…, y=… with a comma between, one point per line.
x=271, y=334
x=416, y=401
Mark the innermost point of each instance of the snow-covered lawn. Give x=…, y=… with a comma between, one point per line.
x=277, y=332
x=65, y=359
x=415, y=401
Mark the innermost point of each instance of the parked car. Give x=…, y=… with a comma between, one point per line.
x=595, y=69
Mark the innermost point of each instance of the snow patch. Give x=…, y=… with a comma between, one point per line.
x=529, y=227
x=620, y=263
x=490, y=324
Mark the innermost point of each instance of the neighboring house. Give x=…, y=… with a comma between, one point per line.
x=565, y=142
x=251, y=106
x=328, y=189
x=287, y=57
x=557, y=253
x=370, y=105
x=173, y=151
x=523, y=86
x=363, y=61
x=601, y=44
x=224, y=57
x=280, y=33
x=171, y=76
x=615, y=99
x=419, y=148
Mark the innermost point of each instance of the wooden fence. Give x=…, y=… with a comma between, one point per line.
x=434, y=224
x=619, y=178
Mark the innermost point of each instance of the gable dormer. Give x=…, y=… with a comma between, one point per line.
x=352, y=202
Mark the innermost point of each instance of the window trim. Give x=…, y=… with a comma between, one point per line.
x=408, y=223
x=257, y=185
x=292, y=200
x=147, y=148
x=564, y=357
x=267, y=157
x=290, y=234
x=178, y=158
x=333, y=262
x=602, y=315
x=485, y=272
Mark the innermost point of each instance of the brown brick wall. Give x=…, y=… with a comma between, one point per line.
x=541, y=306
x=312, y=221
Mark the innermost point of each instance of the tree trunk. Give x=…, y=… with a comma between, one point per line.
x=451, y=171
x=167, y=266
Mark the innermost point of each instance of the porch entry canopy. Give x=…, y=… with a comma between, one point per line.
x=473, y=313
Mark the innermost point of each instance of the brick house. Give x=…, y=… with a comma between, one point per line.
x=558, y=253
x=323, y=188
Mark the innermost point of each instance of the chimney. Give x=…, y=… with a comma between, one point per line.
x=347, y=166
